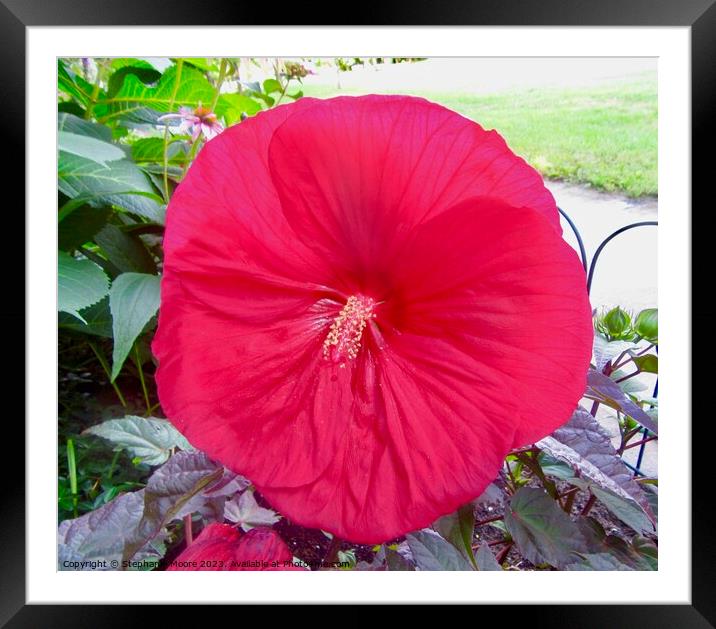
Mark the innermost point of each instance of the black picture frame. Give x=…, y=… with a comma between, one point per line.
x=699, y=15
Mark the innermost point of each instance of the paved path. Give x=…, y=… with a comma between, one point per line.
x=626, y=272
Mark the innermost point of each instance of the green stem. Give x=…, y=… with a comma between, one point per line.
x=192, y=154
x=569, y=503
x=283, y=92
x=95, y=93
x=108, y=371
x=177, y=79
x=141, y=379
x=219, y=82
x=188, y=533
x=72, y=467
x=534, y=466
x=113, y=464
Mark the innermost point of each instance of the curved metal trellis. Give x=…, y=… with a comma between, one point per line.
x=589, y=268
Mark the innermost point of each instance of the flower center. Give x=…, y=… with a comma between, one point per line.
x=343, y=340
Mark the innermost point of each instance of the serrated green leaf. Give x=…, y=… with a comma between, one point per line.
x=80, y=284
x=74, y=124
x=231, y=106
x=149, y=438
x=88, y=147
x=152, y=150
x=135, y=102
x=125, y=251
x=140, y=69
x=119, y=183
x=79, y=227
x=133, y=301
x=97, y=320
x=72, y=84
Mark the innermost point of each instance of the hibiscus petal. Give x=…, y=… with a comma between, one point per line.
x=249, y=388
x=482, y=325
x=484, y=347
x=226, y=215
x=222, y=547
x=216, y=543
x=356, y=174
x=500, y=285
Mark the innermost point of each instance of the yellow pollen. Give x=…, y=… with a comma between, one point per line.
x=343, y=341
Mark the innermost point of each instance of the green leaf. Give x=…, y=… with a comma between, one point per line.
x=626, y=510
x=80, y=284
x=125, y=251
x=119, y=183
x=88, y=147
x=552, y=466
x=605, y=552
x=231, y=106
x=97, y=320
x=485, y=559
x=432, y=552
x=137, y=103
x=70, y=107
x=542, y=531
x=648, y=363
x=458, y=529
x=647, y=325
x=604, y=390
x=149, y=438
x=586, y=446
x=133, y=301
x=245, y=511
x=152, y=150
x=73, y=85
x=79, y=126
x=80, y=226
x=271, y=85
x=140, y=69
x=647, y=550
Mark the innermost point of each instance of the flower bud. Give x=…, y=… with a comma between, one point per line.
x=647, y=325
x=615, y=324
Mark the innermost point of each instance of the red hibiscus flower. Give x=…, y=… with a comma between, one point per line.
x=366, y=303
x=222, y=547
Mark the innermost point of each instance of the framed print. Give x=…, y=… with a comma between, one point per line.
x=363, y=311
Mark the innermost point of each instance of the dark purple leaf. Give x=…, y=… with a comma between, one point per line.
x=585, y=445
x=542, y=531
x=603, y=389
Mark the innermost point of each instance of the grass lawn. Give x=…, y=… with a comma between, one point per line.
x=603, y=136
